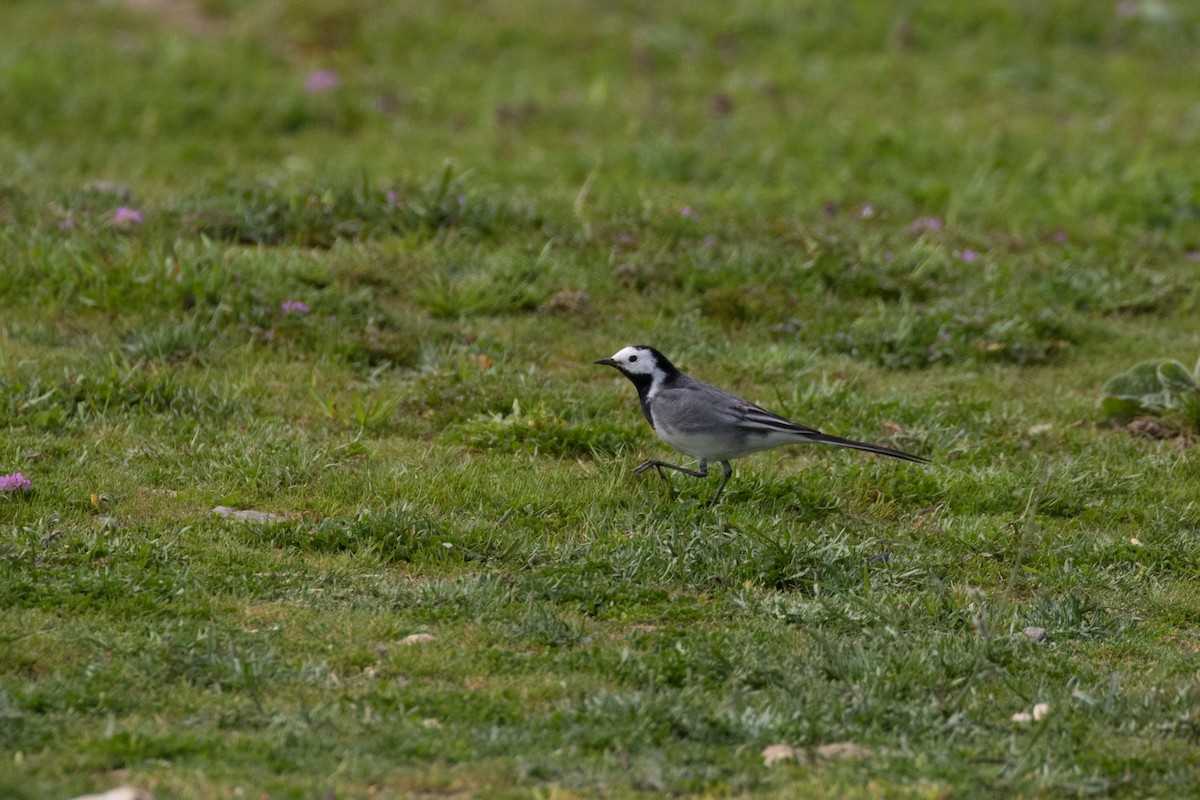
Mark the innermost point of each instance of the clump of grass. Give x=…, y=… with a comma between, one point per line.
x=544, y=626
x=1095, y=289
x=265, y=215
x=177, y=340
x=117, y=388
x=367, y=412
x=1073, y=617
x=909, y=337
x=508, y=289
x=460, y=382
x=362, y=335
x=916, y=273
x=540, y=430
x=743, y=304
x=218, y=658
x=400, y=533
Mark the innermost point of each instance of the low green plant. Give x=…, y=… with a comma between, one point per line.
x=368, y=412
x=1160, y=387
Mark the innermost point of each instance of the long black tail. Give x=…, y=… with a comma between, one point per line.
x=825, y=438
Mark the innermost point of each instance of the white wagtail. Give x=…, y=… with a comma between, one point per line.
x=710, y=424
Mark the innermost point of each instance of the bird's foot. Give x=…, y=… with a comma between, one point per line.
x=645, y=465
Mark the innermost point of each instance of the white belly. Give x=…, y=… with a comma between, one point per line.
x=720, y=446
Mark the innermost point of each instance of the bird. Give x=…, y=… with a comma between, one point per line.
x=710, y=424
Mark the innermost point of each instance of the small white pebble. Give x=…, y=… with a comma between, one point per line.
x=775, y=753
x=1133, y=540
x=1041, y=711
x=120, y=793
x=247, y=515
x=418, y=638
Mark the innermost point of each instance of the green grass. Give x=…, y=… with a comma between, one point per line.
x=494, y=196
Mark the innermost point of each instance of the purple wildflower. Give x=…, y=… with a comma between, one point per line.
x=321, y=80
x=127, y=216
x=294, y=307
x=687, y=212
x=393, y=197
x=16, y=482
x=923, y=224
x=66, y=223
x=866, y=211
x=1194, y=255
x=969, y=256
x=1059, y=237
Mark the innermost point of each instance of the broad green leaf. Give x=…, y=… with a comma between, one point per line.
x=1166, y=399
x=1174, y=376
x=1137, y=381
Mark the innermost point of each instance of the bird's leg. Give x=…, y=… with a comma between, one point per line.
x=727, y=470
x=702, y=472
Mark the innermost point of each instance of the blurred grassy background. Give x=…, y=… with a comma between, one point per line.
x=1017, y=114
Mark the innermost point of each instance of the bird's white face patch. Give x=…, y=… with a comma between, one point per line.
x=635, y=361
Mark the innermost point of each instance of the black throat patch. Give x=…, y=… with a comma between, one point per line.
x=643, y=384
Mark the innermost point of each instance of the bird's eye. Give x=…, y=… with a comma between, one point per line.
x=632, y=359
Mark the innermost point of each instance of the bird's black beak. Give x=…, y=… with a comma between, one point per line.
x=608, y=362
